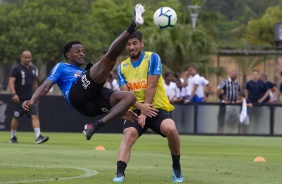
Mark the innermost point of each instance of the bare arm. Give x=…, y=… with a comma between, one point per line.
x=15, y=97
x=264, y=96
x=146, y=109
x=40, y=92
x=35, y=85
x=193, y=92
x=151, y=88
x=12, y=85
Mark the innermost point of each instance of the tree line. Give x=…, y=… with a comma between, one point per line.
x=44, y=26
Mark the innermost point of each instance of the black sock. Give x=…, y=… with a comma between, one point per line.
x=121, y=166
x=98, y=124
x=176, y=162
x=132, y=28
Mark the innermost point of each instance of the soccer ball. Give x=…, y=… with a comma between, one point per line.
x=165, y=17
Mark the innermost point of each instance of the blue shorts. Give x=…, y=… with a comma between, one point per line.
x=195, y=98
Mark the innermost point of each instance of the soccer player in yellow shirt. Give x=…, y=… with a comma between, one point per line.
x=142, y=74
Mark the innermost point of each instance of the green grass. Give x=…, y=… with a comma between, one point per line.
x=204, y=159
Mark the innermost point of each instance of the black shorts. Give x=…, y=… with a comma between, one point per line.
x=19, y=111
x=89, y=98
x=153, y=123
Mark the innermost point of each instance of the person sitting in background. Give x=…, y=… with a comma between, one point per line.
x=244, y=119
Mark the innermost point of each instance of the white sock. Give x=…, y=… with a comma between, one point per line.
x=37, y=132
x=13, y=133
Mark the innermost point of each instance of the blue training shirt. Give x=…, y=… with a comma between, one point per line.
x=154, y=67
x=64, y=74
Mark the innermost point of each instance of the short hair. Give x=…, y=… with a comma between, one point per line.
x=166, y=74
x=242, y=94
x=137, y=34
x=255, y=70
x=25, y=51
x=192, y=66
x=68, y=46
x=264, y=75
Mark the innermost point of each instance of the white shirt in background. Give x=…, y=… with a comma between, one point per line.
x=180, y=93
x=192, y=80
x=201, y=88
x=171, y=90
x=115, y=85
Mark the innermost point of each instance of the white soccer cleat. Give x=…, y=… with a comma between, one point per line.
x=138, y=12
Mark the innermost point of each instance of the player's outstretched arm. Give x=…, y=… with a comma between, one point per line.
x=40, y=92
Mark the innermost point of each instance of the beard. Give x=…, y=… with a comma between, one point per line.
x=136, y=56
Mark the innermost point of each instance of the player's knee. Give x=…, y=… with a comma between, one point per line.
x=170, y=130
x=132, y=97
x=130, y=136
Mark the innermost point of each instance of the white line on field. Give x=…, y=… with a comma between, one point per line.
x=88, y=173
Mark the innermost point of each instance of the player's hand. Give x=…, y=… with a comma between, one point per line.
x=142, y=120
x=148, y=110
x=130, y=116
x=27, y=104
x=15, y=98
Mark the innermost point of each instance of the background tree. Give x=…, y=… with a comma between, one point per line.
x=261, y=31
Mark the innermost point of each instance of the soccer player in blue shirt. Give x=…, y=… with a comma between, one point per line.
x=83, y=89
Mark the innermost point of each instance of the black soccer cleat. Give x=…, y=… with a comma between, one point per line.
x=90, y=129
x=41, y=139
x=14, y=140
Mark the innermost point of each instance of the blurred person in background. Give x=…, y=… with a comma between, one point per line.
x=227, y=92
x=111, y=83
x=230, y=87
x=180, y=93
x=273, y=90
x=280, y=86
x=244, y=119
x=258, y=91
x=195, y=86
x=170, y=87
x=22, y=83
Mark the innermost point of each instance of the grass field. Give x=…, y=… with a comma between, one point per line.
x=68, y=158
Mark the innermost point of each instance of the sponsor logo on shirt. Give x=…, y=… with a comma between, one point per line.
x=85, y=81
x=76, y=74
x=105, y=110
x=125, y=65
x=138, y=85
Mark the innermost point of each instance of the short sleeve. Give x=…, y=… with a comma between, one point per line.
x=121, y=78
x=14, y=72
x=155, y=65
x=205, y=82
x=221, y=85
x=247, y=86
x=55, y=73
